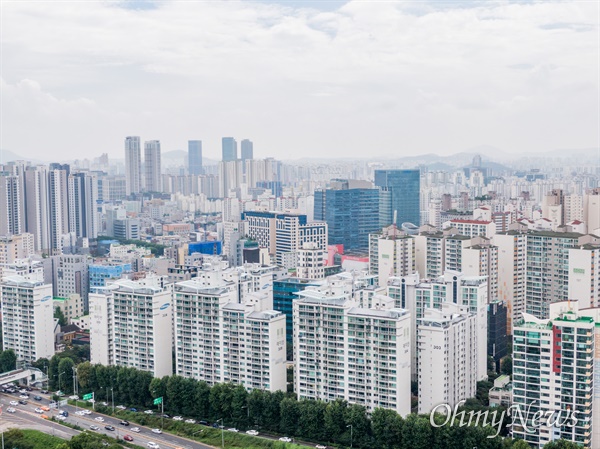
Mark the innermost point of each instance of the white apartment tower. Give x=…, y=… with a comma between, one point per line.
x=138, y=316
x=133, y=165
x=311, y=262
x=27, y=316
x=152, y=166
x=446, y=344
x=10, y=205
x=345, y=351
x=391, y=253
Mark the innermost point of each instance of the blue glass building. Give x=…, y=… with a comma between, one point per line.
x=195, y=157
x=229, y=149
x=99, y=274
x=284, y=293
x=351, y=213
x=211, y=248
x=400, y=191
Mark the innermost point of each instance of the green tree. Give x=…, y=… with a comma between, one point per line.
x=53, y=372
x=256, y=400
x=417, y=432
x=202, y=400
x=520, y=444
x=58, y=314
x=65, y=372
x=239, y=407
x=271, y=414
x=356, y=416
x=15, y=438
x=84, y=375
x=8, y=360
x=386, y=426
x=310, y=423
x=506, y=365
x=334, y=420
x=562, y=444
x=290, y=413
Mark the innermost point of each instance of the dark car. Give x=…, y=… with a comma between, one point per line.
x=29, y=389
x=37, y=398
x=204, y=423
x=44, y=391
x=22, y=402
x=133, y=409
x=128, y=438
x=64, y=413
x=165, y=416
x=111, y=428
x=124, y=423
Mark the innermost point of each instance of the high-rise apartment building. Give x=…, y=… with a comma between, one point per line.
x=555, y=363
x=229, y=149
x=15, y=247
x=365, y=357
x=27, y=316
x=133, y=164
x=152, y=166
x=391, y=253
x=70, y=275
x=132, y=325
x=195, y=157
x=447, y=340
x=58, y=209
x=83, y=199
x=247, y=150
x=351, y=210
x=400, y=196
x=37, y=207
x=11, y=221
x=583, y=272
x=311, y=262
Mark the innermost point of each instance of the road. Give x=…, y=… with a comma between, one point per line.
x=26, y=417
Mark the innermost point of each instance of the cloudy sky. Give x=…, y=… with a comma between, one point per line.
x=299, y=78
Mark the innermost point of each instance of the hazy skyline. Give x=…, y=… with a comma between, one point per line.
x=300, y=78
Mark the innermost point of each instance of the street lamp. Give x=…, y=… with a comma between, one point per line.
x=59, y=387
x=222, y=433
x=350, y=425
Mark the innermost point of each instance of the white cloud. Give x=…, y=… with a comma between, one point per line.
x=367, y=78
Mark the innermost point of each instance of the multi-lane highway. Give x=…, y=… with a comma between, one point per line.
x=25, y=416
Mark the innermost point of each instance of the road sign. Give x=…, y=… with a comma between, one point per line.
x=158, y=401
x=88, y=396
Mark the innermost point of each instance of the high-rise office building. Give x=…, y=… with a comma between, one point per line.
x=36, y=207
x=247, y=149
x=133, y=164
x=58, y=206
x=351, y=210
x=229, y=149
x=195, y=157
x=400, y=194
x=152, y=167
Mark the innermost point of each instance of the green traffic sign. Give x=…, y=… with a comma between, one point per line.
x=158, y=401
x=88, y=396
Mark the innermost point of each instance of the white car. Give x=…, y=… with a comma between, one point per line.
x=80, y=413
x=285, y=439
x=14, y=403
x=121, y=407
x=320, y=446
x=152, y=445
x=190, y=421
x=10, y=410
x=74, y=397
x=105, y=404
x=177, y=418
x=99, y=419
x=87, y=412
x=61, y=418
x=148, y=412
x=94, y=427
x=252, y=432
x=23, y=396
x=156, y=431
x=38, y=410
x=233, y=429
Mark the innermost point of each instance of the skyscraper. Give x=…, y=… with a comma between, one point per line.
x=10, y=205
x=195, y=157
x=247, y=149
x=400, y=192
x=152, y=166
x=57, y=206
x=133, y=164
x=83, y=196
x=351, y=210
x=229, y=146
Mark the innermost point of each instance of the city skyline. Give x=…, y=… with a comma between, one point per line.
x=354, y=78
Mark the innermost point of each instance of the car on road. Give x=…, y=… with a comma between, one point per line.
x=74, y=397
x=133, y=409
x=38, y=410
x=124, y=423
x=156, y=431
x=177, y=418
x=45, y=408
x=148, y=412
x=23, y=396
x=59, y=393
x=61, y=418
x=233, y=429
x=15, y=403
x=320, y=446
x=80, y=413
x=44, y=391
x=94, y=427
x=252, y=432
x=193, y=421
x=99, y=419
x=109, y=427
x=105, y=404
x=87, y=412
x=285, y=439
x=120, y=407
x=23, y=402
x=11, y=410
x=128, y=438
x=44, y=416
x=63, y=413
x=22, y=391
x=135, y=429
x=152, y=445
x=37, y=398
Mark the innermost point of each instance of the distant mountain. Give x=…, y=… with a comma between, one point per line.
x=8, y=156
x=179, y=157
